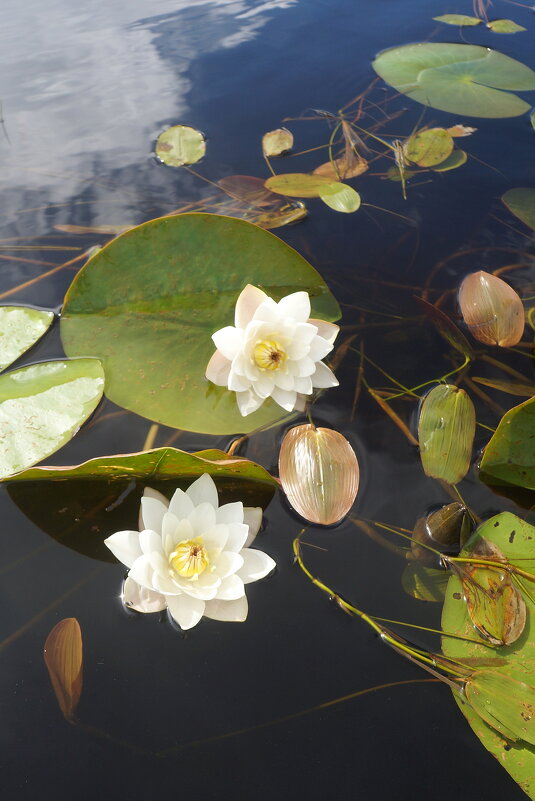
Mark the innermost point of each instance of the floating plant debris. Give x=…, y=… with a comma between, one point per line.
x=180, y=145
x=277, y=142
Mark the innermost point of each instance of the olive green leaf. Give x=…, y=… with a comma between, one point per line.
x=521, y=203
x=180, y=145
x=446, y=430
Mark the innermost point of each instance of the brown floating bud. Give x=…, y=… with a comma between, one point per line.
x=491, y=309
x=319, y=473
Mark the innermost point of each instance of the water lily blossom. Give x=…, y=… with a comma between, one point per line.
x=191, y=556
x=272, y=350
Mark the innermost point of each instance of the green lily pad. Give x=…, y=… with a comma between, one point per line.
x=446, y=430
x=149, y=301
x=521, y=203
x=462, y=79
x=429, y=147
x=300, y=184
x=277, y=142
x=504, y=26
x=458, y=19
x=180, y=145
x=516, y=539
x=81, y=505
x=456, y=159
x=20, y=328
x=42, y=407
x=342, y=198
x=509, y=458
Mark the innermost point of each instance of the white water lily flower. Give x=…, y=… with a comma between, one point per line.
x=272, y=350
x=192, y=555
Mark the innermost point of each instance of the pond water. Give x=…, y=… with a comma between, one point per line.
x=232, y=711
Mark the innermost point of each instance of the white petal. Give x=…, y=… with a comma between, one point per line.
x=306, y=367
x=252, y=517
x=237, y=535
x=204, y=589
x=142, y=572
x=328, y=331
x=284, y=398
x=263, y=385
x=249, y=300
x=283, y=380
x=297, y=349
x=304, y=332
x=296, y=305
x=181, y=505
x=228, y=341
x=217, y=369
x=150, y=541
x=148, y=492
x=187, y=611
x=165, y=585
x=228, y=563
x=203, y=490
x=256, y=565
x=227, y=611
x=238, y=383
x=230, y=589
x=230, y=513
x=125, y=546
x=301, y=402
x=324, y=377
x=268, y=311
x=303, y=386
x=319, y=348
x=202, y=519
x=248, y=402
x=140, y=598
x=173, y=532
x=215, y=539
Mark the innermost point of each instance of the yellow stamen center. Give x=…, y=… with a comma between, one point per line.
x=269, y=355
x=189, y=559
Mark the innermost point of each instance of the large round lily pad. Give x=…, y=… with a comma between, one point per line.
x=149, y=301
x=515, y=538
x=462, y=79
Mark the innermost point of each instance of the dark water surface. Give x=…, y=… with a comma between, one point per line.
x=85, y=91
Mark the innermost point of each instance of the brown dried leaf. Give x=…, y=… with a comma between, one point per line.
x=342, y=168
x=63, y=658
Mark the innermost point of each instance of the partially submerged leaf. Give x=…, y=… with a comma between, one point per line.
x=42, y=407
x=340, y=169
x=283, y=214
x=342, y=198
x=514, y=537
x=458, y=19
x=108, y=230
x=20, y=328
x=164, y=288
x=521, y=203
x=446, y=328
x=180, y=145
x=446, y=430
x=509, y=457
x=511, y=387
x=504, y=26
x=277, y=142
x=460, y=78
x=503, y=702
x=299, y=184
x=445, y=530
x=493, y=601
x=429, y=147
x=424, y=583
x=454, y=160
x=64, y=661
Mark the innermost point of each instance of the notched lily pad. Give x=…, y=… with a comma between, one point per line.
x=20, y=328
x=180, y=145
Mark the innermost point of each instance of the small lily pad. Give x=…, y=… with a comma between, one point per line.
x=180, y=145
x=429, y=147
x=299, y=184
x=460, y=78
x=343, y=198
x=458, y=19
x=20, y=328
x=504, y=26
x=521, y=203
x=42, y=407
x=277, y=142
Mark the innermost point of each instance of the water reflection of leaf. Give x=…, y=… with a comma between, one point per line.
x=20, y=328
x=462, y=79
x=63, y=659
x=164, y=288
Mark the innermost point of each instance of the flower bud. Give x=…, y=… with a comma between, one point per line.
x=319, y=473
x=491, y=309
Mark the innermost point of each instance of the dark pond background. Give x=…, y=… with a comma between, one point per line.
x=85, y=91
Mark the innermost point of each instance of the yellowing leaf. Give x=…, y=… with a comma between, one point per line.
x=63, y=658
x=429, y=147
x=180, y=145
x=298, y=184
x=458, y=19
x=341, y=197
x=20, y=328
x=339, y=169
x=446, y=430
x=277, y=142
x=111, y=230
x=504, y=26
